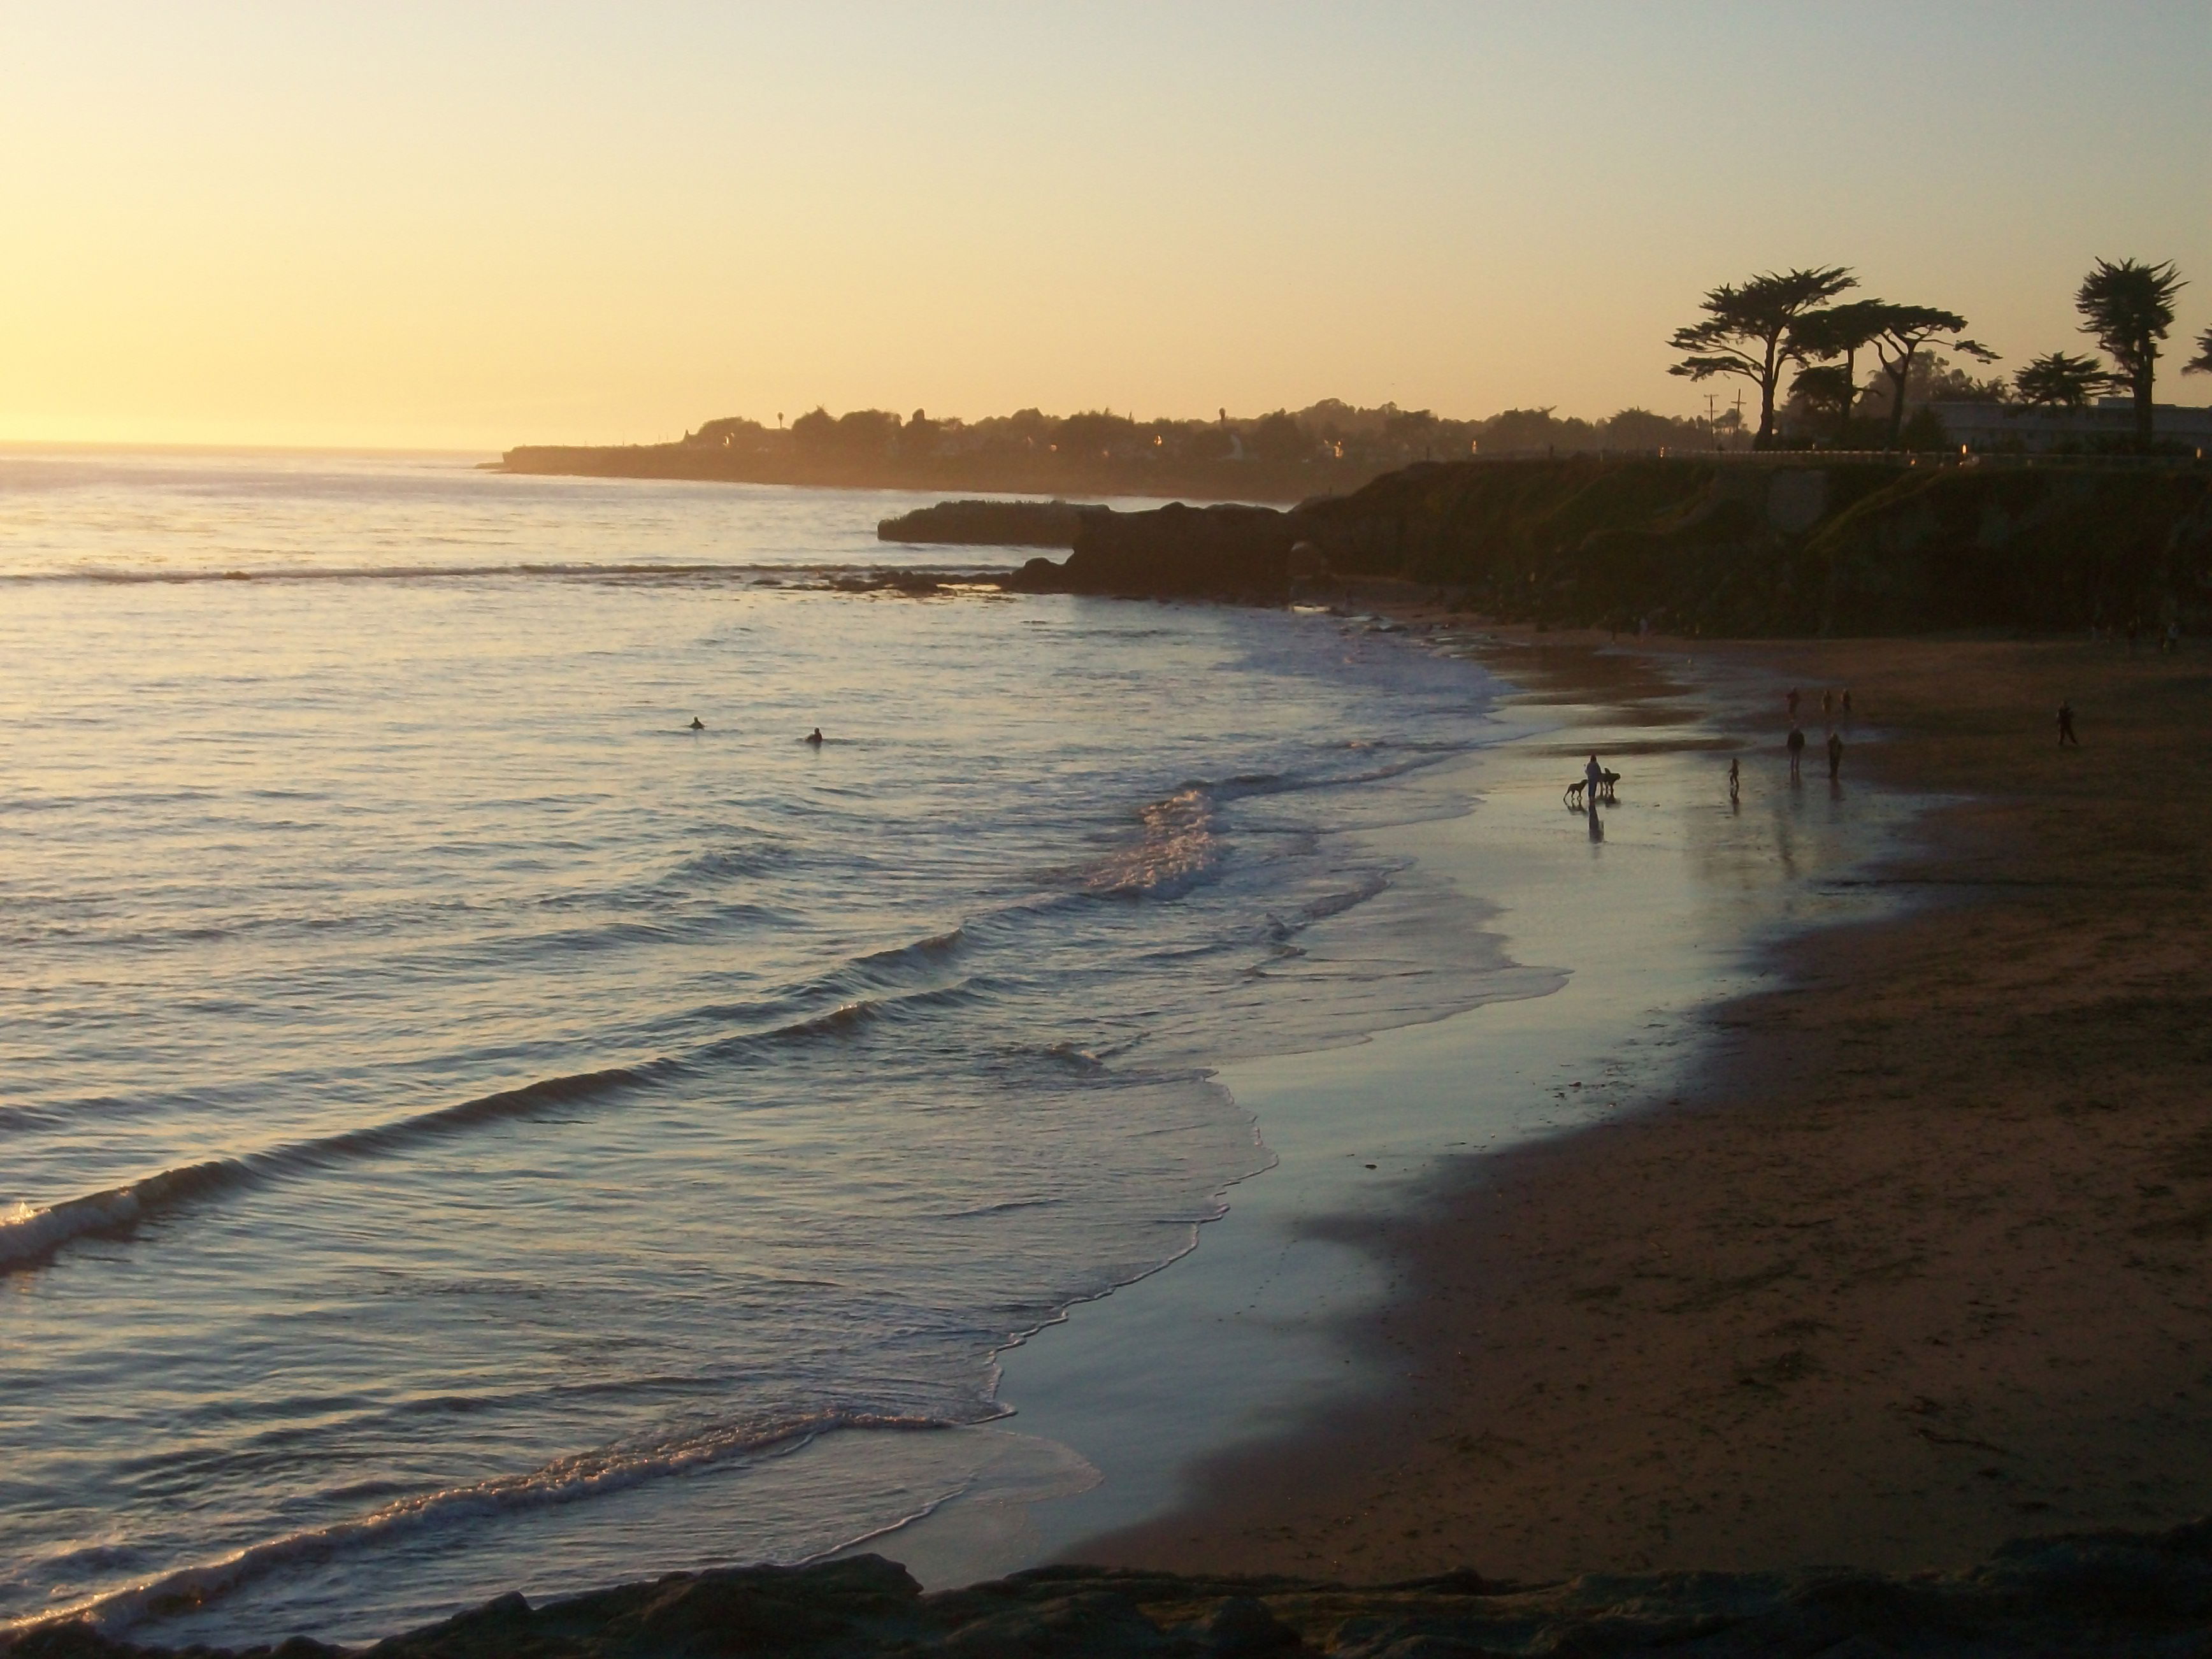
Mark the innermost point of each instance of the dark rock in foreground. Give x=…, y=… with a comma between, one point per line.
x=986, y=524
x=2094, y=1593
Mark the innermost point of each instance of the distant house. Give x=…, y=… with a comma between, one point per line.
x=2108, y=423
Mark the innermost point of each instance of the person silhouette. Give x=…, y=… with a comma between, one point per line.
x=1796, y=747
x=698, y=725
x=2066, y=726
x=1835, y=756
x=815, y=737
x=1593, y=781
x=1736, y=778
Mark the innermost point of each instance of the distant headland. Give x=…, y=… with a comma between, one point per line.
x=1330, y=447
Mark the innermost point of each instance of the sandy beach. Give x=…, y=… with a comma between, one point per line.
x=1912, y=1264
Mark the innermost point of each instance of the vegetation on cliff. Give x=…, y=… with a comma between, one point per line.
x=1756, y=330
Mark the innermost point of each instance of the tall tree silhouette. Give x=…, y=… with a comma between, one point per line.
x=2128, y=307
x=2060, y=379
x=2202, y=362
x=1747, y=330
x=1843, y=331
x=1905, y=330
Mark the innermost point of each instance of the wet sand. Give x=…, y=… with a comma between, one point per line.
x=1915, y=1262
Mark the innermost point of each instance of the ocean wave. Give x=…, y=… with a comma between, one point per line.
x=1176, y=849
x=566, y=1481
x=30, y=1236
x=844, y=1018
x=900, y=959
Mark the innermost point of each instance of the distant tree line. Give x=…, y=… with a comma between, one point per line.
x=1792, y=323
x=1328, y=432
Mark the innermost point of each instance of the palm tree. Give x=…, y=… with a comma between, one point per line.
x=2202, y=362
x=2129, y=306
x=1747, y=330
x=2059, y=380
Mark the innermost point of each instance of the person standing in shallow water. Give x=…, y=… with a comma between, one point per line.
x=2066, y=726
x=1592, y=780
x=1736, y=778
x=1796, y=747
x=1835, y=756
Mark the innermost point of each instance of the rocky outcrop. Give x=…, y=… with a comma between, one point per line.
x=1173, y=551
x=1706, y=546
x=986, y=524
x=2097, y=1593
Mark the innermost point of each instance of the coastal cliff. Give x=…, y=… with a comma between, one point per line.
x=1701, y=546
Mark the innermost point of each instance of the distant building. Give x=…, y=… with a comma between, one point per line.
x=2108, y=423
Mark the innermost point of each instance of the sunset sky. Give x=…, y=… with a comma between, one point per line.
x=481, y=225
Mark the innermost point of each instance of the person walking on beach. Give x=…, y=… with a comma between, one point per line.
x=1847, y=702
x=2066, y=726
x=1793, y=705
x=1835, y=755
x=1736, y=778
x=1796, y=746
x=1592, y=780
x=1827, y=702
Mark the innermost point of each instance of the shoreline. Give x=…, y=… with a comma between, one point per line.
x=1506, y=1469
x=1243, y=1339
x=1906, y=1271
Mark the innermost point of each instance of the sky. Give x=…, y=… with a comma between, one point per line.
x=473, y=226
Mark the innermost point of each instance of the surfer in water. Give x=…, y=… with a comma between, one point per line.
x=698, y=725
x=815, y=737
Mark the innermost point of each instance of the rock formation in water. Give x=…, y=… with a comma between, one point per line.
x=1172, y=552
x=986, y=524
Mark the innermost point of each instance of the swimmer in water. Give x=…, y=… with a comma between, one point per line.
x=698, y=725
x=815, y=737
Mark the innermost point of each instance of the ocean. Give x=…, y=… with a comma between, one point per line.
x=463, y=1127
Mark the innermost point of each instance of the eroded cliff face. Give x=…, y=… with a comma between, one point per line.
x=1726, y=548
